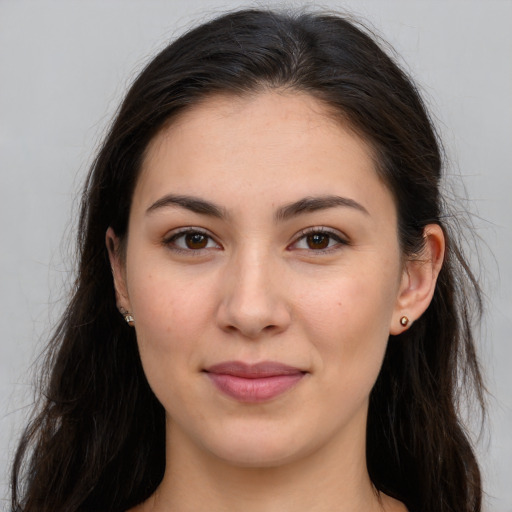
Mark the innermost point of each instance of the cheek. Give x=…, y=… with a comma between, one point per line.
x=168, y=326
x=348, y=319
x=171, y=310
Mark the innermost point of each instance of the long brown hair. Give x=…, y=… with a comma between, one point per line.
x=97, y=440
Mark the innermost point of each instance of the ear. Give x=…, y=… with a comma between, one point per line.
x=419, y=279
x=118, y=270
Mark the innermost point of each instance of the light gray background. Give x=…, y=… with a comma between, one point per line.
x=64, y=65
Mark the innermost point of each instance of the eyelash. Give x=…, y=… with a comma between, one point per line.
x=170, y=241
x=331, y=234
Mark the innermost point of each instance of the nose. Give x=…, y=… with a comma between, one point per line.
x=253, y=299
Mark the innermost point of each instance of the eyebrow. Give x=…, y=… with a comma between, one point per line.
x=313, y=204
x=304, y=205
x=191, y=203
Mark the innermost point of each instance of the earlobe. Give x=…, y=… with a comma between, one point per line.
x=118, y=271
x=419, y=280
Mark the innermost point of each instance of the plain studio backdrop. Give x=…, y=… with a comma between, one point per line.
x=64, y=66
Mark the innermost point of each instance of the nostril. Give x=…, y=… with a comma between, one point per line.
x=247, y=311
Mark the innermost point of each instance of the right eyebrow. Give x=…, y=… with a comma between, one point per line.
x=191, y=203
x=313, y=204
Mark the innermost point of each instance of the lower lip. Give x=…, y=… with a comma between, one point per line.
x=254, y=390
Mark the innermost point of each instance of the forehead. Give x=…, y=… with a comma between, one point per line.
x=256, y=113
x=271, y=143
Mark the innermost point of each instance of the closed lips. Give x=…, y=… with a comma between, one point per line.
x=253, y=382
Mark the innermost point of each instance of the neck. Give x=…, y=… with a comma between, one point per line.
x=333, y=477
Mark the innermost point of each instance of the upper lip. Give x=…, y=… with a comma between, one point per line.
x=253, y=371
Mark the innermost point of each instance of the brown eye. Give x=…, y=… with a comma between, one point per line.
x=318, y=241
x=191, y=241
x=196, y=240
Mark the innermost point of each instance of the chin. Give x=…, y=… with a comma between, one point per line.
x=258, y=451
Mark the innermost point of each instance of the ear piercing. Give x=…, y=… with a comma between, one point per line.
x=404, y=321
x=128, y=317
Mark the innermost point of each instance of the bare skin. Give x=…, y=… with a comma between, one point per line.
x=260, y=231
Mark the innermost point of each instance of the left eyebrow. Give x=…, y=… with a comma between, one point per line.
x=313, y=204
x=194, y=204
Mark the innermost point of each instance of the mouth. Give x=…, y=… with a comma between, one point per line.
x=254, y=383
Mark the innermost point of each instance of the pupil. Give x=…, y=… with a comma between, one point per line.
x=318, y=241
x=196, y=241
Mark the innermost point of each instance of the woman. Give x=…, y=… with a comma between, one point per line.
x=270, y=312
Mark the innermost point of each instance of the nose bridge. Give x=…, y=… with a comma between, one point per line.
x=252, y=301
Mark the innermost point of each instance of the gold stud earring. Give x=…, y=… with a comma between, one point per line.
x=404, y=321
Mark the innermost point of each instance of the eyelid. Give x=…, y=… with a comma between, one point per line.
x=341, y=238
x=178, y=232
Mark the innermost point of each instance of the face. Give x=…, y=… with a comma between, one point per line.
x=264, y=274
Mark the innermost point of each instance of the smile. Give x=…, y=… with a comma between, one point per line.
x=253, y=383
